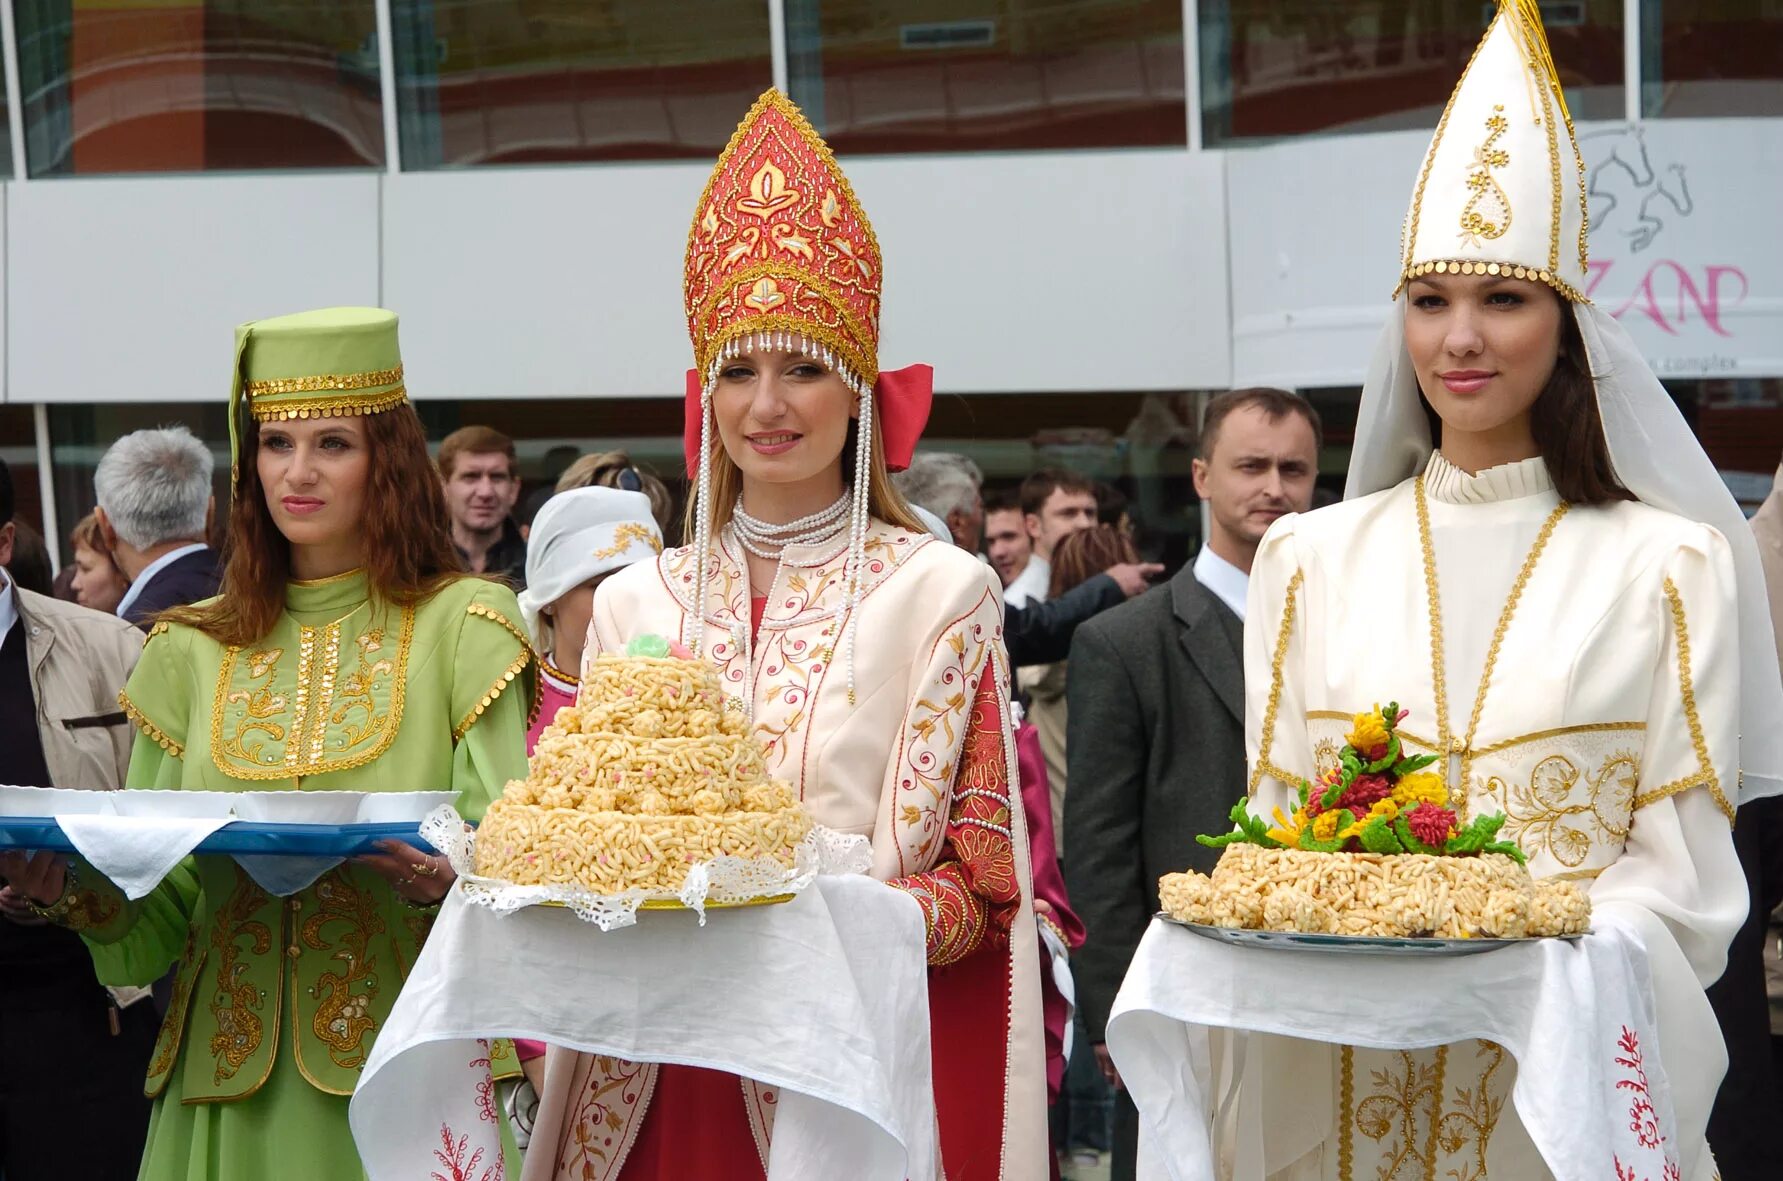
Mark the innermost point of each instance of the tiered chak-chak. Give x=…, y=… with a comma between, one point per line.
x=1374, y=849
x=645, y=776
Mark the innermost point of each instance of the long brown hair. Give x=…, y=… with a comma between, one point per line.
x=1568, y=426
x=883, y=498
x=405, y=534
x=1088, y=552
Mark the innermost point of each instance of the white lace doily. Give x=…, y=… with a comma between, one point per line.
x=728, y=880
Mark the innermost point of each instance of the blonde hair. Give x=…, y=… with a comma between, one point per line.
x=884, y=501
x=603, y=469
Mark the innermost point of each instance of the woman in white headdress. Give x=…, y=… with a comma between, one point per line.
x=579, y=537
x=1561, y=595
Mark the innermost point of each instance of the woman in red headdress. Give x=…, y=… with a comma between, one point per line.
x=866, y=653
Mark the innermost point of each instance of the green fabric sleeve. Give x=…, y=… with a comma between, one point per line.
x=494, y=691
x=138, y=951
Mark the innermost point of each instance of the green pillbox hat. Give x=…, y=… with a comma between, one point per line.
x=330, y=363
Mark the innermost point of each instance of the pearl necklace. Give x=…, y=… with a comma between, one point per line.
x=769, y=541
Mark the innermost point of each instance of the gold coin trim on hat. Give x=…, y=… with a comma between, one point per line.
x=325, y=381
x=331, y=407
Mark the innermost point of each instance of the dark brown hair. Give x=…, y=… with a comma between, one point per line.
x=1568, y=427
x=1038, y=488
x=1275, y=405
x=476, y=440
x=1088, y=552
x=408, y=551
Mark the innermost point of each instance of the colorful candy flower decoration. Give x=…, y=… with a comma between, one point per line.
x=1377, y=800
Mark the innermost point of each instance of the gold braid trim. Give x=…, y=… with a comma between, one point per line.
x=1346, y=1149
x=153, y=732
x=324, y=381
x=513, y=670
x=1286, y=630
x=1705, y=774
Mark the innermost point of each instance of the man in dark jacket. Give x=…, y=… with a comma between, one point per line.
x=1155, y=737
x=155, y=506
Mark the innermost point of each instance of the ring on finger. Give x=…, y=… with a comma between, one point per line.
x=408, y=881
x=426, y=869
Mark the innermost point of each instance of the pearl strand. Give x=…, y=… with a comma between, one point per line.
x=770, y=541
x=693, y=632
x=857, y=536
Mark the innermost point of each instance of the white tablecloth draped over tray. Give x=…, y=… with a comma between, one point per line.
x=1566, y=1011
x=824, y=997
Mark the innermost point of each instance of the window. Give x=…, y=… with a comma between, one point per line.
x=942, y=75
x=1739, y=422
x=542, y=81
x=1712, y=59
x=192, y=85
x=1273, y=68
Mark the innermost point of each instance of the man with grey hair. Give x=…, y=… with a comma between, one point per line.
x=947, y=484
x=155, y=504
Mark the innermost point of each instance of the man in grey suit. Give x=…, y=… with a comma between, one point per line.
x=1155, y=739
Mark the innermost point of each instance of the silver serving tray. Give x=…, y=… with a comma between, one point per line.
x=1350, y=944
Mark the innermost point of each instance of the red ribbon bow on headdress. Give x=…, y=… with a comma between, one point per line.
x=901, y=410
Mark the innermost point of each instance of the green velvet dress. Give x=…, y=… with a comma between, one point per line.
x=277, y=1000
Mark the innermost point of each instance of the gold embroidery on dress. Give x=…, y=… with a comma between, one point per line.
x=239, y=1027
x=1326, y=757
x=1705, y=770
x=320, y=719
x=1469, y=1124
x=1487, y=213
x=1549, y=815
x=343, y=998
x=1400, y=1113
x=173, y=1026
x=1282, y=635
x=1447, y=743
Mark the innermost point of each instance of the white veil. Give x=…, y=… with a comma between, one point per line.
x=1655, y=456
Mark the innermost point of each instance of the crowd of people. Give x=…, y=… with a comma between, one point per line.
x=1027, y=723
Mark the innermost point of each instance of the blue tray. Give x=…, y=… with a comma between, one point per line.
x=244, y=837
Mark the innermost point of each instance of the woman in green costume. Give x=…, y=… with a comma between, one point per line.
x=346, y=652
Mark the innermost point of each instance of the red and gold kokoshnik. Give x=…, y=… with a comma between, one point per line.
x=779, y=243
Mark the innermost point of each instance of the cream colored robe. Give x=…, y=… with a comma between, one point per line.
x=884, y=767
x=1608, y=737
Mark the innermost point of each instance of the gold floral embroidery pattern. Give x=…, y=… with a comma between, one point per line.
x=1326, y=757
x=1469, y=1124
x=151, y=731
x=326, y=718
x=173, y=1026
x=628, y=532
x=1282, y=635
x=234, y=1009
x=342, y=1018
x=1705, y=773
x=1400, y=1114
x=90, y=908
x=607, y=1116
x=1549, y=814
x=935, y=731
x=1495, y=220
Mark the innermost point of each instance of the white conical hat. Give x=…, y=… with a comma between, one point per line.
x=1502, y=189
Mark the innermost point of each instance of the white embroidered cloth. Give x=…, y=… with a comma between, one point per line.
x=1577, y=1016
x=824, y=997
